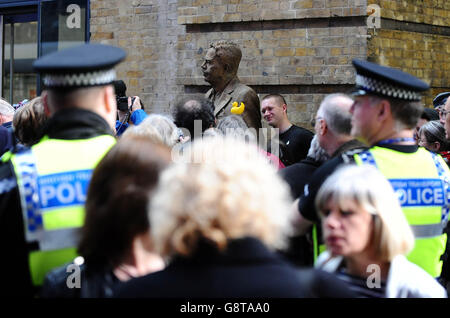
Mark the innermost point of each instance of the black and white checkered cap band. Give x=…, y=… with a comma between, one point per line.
x=379, y=87
x=80, y=79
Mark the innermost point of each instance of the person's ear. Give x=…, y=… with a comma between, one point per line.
x=435, y=146
x=384, y=110
x=323, y=128
x=109, y=108
x=109, y=99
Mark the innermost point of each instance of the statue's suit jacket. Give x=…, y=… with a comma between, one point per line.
x=235, y=91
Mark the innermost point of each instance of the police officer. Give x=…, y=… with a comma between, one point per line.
x=43, y=188
x=385, y=111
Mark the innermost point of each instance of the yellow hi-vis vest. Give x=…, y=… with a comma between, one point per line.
x=317, y=248
x=53, y=178
x=421, y=181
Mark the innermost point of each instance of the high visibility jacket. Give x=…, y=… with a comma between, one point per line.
x=317, y=248
x=421, y=180
x=53, y=178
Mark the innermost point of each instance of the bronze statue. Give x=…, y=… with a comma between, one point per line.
x=220, y=70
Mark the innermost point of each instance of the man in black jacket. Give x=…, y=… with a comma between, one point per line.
x=332, y=124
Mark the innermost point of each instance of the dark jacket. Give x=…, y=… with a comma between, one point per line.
x=67, y=124
x=78, y=282
x=6, y=140
x=300, y=249
x=298, y=174
x=247, y=269
x=235, y=91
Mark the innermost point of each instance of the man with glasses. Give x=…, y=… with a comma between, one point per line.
x=332, y=125
x=445, y=119
x=384, y=114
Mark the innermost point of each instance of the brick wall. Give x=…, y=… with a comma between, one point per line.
x=423, y=55
x=301, y=49
x=148, y=31
x=435, y=12
x=415, y=48
x=287, y=58
x=214, y=11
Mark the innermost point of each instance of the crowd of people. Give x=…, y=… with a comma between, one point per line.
x=100, y=198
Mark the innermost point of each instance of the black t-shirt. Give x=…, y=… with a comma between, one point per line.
x=306, y=203
x=295, y=144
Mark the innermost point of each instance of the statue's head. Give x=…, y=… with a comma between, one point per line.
x=221, y=62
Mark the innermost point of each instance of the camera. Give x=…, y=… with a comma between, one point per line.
x=122, y=103
x=121, y=97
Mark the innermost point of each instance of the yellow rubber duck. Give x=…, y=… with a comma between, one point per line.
x=237, y=110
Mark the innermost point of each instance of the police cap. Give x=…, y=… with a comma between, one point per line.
x=80, y=66
x=375, y=79
x=440, y=99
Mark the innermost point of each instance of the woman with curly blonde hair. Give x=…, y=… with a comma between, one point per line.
x=216, y=217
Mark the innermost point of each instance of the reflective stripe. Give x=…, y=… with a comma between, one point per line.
x=317, y=248
x=315, y=242
x=427, y=230
x=58, y=239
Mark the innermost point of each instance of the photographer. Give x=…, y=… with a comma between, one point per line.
x=130, y=110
